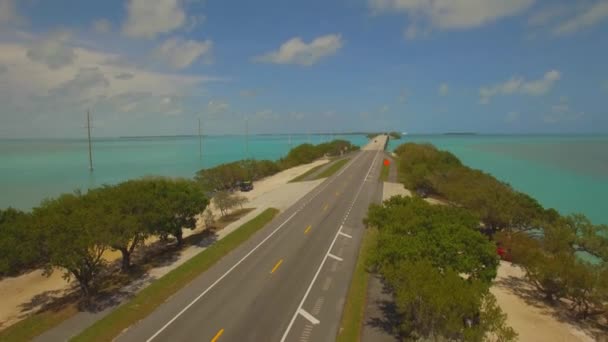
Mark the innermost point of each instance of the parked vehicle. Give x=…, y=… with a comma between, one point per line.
x=246, y=186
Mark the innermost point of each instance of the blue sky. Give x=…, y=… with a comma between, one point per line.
x=153, y=67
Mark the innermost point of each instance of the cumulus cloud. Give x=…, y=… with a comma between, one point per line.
x=53, y=51
x=444, y=89
x=588, y=16
x=102, y=26
x=55, y=97
x=148, y=18
x=519, y=85
x=9, y=14
x=296, y=51
x=449, y=14
x=179, y=53
x=86, y=83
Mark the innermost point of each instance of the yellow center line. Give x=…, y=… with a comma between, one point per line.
x=217, y=336
x=276, y=266
x=325, y=207
x=307, y=229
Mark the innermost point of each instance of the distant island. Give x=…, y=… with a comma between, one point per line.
x=460, y=133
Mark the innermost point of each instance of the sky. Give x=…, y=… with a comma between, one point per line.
x=154, y=67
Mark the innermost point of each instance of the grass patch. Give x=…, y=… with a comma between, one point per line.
x=332, y=168
x=384, y=173
x=152, y=296
x=307, y=173
x=29, y=328
x=354, y=307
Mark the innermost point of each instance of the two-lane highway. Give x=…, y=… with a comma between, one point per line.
x=289, y=281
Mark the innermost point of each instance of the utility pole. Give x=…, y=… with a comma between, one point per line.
x=246, y=138
x=90, y=150
x=200, y=140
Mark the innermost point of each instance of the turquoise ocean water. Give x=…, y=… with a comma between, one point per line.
x=569, y=173
x=31, y=170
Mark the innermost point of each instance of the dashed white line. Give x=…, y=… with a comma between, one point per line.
x=346, y=235
x=335, y=257
x=300, y=310
x=308, y=316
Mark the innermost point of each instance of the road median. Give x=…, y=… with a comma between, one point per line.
x=354, y=306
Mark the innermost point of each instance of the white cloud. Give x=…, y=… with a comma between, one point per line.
x=450, y=14
x=561, y=112
x=519, y=85
x=148, y=18
x=179, y=53
x=512, y=117
x=53, y=51
x=93, y=80
x=444, y=89
x=588, y=16
x=102, y=26
x=548, y=15
x=87, y=85
x=9, y=14
x=266, y=114
x=215, y=107
x=295, y=51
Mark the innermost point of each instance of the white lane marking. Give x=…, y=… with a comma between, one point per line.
x=346, y=235
x=334, y=257
x=247, y=255
x=308, y=316
x=314, y=278
x=219, y=279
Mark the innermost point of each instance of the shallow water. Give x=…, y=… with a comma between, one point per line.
x=568, y=173
x=31, y=170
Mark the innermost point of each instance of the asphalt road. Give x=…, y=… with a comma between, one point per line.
x=289, y=281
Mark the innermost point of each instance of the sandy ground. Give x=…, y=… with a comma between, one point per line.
x=22, y=294
x=395, y=189
x=531, y=318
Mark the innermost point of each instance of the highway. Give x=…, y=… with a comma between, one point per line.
x=289, y=281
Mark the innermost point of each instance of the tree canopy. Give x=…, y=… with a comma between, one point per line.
x=440, y=268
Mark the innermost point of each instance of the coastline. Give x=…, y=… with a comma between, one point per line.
x=24, y=294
